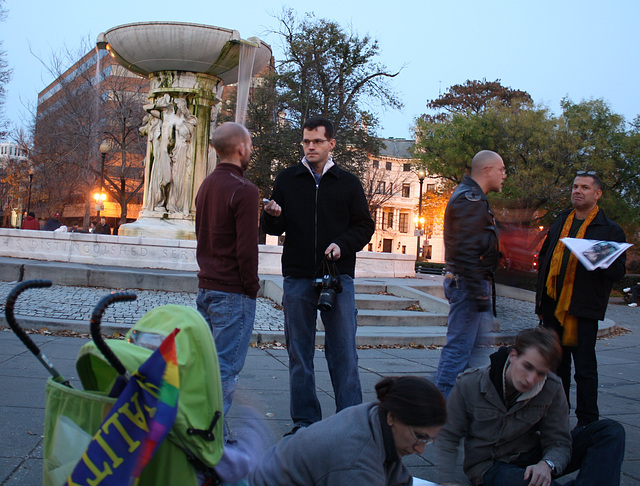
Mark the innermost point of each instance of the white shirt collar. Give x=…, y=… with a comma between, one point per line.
x=330, y=163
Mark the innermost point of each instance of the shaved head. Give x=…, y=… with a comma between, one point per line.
x=484, y=158
x=227, y=137
x=488, y=170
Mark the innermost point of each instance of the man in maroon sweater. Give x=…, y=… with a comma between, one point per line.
x=227, y=252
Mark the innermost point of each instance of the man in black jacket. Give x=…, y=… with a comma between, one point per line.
x=570, y=299
x=471, y=252
x=102, y=228
x=324, y=213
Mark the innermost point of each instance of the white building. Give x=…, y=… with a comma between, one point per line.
x=10, y=150
x=11, y=207
x=392, y=186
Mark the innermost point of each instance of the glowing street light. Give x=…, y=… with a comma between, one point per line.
x=100, y=197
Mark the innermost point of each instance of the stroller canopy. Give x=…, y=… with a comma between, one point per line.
x=198, y=427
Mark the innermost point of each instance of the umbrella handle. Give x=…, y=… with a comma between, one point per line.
x=96, y=319
x=23, y=336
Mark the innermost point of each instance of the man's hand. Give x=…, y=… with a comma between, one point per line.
x=540, y=474
x=272, y=208
x=336, y=252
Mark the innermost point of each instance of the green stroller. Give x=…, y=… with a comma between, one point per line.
x=195, y=443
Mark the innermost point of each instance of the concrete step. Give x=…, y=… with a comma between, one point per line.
x=389, y=336
x=368, y=287
x=383, y=302
x=401, y=335
x=400, y=318
x=374, y=336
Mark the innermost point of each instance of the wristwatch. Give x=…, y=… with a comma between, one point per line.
x=551, y=465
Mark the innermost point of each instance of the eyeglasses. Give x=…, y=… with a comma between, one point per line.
x=502, y=170
x=317, y=141
x=587, y=172
x=421, y=439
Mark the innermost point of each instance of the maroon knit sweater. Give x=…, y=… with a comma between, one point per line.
x=227, y=232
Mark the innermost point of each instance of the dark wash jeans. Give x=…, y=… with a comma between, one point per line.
x=299, y=301
x=598, y=451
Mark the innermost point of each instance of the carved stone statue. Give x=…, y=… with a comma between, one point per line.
x=180, y=193
x=157, y=178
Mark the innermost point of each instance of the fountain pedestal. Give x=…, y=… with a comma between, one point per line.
x=177, y=159
x=187, y=65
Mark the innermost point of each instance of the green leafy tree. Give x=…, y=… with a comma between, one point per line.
x=542, y=154
x=596, y=138
x=447, y=141
x=330, y=71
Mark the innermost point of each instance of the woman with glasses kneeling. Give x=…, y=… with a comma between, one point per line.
x=361, y=444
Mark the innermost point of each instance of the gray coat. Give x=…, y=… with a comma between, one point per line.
x=492, y=432
x=343, y=450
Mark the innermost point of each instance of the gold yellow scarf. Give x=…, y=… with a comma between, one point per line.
x=568, y=322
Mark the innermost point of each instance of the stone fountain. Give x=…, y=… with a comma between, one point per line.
x=187, y=66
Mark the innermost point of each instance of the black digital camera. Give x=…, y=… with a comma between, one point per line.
x=329, y=285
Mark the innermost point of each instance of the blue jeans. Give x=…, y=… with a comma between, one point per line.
x=300, y=314
x=465, y=328
x=230, y=317
x=597, y=451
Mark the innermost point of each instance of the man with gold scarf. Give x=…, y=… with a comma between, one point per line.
x=570, y=299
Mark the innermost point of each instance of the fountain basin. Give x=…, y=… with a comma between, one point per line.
x=147, y=47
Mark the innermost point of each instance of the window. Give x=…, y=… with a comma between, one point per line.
x=406, y=190
x=406, y=168
x=388, y=165
x=431, y=188
x=376, y=164
x=403, y=224
x=390, y=219
x=428, y=252
x=381, y=188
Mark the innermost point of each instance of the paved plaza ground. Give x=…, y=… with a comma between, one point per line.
x=264, y=386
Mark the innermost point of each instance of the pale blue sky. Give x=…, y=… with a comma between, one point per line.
x=551, y=49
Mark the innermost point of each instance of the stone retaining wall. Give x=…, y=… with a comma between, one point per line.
x=158, y=253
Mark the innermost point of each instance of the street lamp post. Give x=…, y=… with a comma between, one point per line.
x=421, y=175
x=31, y=172
x=105, y=146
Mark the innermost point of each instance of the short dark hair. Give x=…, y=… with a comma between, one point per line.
x=319, y=121
x=413, y=400
x=596, y=180
x=544, y=340
x=32, y=214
